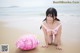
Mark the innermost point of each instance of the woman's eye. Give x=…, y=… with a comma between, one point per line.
x=49, y=16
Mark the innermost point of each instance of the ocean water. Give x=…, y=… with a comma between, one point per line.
x=63, y=9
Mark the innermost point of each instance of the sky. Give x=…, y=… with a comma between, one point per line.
x=27, y=3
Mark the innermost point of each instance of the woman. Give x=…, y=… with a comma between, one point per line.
x=51, y=27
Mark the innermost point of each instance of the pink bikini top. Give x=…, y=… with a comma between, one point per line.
x=54, y=31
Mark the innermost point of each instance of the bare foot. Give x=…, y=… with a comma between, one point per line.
x=45, y=46
x=59, y=47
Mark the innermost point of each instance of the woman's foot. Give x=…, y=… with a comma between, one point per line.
x=58, y=47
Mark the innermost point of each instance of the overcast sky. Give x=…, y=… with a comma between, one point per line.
x=27, y=3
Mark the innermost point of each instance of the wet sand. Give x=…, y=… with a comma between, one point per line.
x=12, y=28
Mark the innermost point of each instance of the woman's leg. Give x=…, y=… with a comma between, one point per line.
x=49, y=38
x=55, y=41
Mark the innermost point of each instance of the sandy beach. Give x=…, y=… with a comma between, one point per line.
x=12, y=28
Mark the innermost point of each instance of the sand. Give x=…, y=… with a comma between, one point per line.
x=12, y=27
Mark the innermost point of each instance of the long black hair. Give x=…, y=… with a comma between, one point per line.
x=53, y=12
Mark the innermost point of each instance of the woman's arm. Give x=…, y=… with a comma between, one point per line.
x=45, y=35
x=58, y=35
x=58, y=38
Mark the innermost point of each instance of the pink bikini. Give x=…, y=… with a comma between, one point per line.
x=54, y=31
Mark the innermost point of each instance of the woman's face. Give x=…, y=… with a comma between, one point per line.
x=50, y=18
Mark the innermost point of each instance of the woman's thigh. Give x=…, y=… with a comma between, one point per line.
x=57, y=40
x=49, y=37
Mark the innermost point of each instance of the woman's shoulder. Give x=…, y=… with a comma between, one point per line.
x=44, y=22
x=58, y=22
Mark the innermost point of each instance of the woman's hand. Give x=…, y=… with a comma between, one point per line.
x=58, y=47
x=45, y=46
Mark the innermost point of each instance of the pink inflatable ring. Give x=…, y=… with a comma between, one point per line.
x=27, y=42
